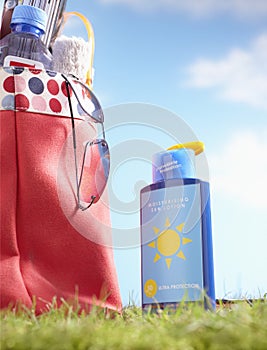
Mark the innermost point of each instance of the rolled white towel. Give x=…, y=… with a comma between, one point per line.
x=71, y=56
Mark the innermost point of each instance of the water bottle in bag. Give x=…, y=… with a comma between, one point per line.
x=24, y=46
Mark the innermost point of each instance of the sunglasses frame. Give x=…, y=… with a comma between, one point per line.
x=92, y=118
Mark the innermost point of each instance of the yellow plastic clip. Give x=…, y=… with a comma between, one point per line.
x=91, y=39
x=196, y=146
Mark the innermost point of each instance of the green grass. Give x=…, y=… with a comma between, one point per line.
x=242, y=327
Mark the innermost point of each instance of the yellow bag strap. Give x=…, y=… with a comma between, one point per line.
x=91, y=39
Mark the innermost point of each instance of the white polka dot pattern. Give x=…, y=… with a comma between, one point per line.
x=33, y=90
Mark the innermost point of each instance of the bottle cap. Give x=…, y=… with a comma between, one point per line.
x=26, y=14
x=177, y=162
x=196, y=146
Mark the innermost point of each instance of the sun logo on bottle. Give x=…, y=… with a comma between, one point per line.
x=168, y=243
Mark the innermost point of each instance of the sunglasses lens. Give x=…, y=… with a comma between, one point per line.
x=88, y=105
x=95, y=171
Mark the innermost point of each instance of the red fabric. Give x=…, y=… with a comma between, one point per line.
x=49, y=247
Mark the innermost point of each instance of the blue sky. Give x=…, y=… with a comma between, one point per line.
x=208, y=65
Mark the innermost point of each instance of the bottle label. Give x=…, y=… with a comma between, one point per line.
x=171, y=237
x=15, y=61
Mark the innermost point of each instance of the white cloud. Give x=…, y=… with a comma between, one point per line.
x=241, y=76
x=240, y=8
x=239, y=170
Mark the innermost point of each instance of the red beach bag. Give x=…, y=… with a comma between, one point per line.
x=49, y=247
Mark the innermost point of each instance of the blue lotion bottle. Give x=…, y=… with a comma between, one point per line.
x=176, y=233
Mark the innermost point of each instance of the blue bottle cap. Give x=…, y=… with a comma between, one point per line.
x=174, y=164
x=26, y=14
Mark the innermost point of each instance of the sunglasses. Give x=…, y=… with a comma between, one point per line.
x=96, y=157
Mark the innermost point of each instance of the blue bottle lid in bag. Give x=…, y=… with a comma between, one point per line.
x=29, y=15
